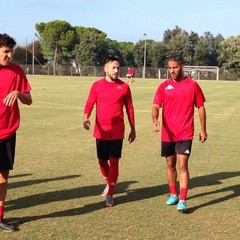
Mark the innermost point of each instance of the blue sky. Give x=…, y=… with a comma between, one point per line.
x=123, y=20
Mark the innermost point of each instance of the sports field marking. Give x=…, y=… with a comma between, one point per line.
x=136, y=110
x=59, y=105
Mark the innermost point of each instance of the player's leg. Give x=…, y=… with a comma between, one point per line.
x=183, y=148
x=3, y=191
x=115, y=154
x=7, y=152
x=103, y=156
x=168, y=151
x=183, y=176
x=172, y=179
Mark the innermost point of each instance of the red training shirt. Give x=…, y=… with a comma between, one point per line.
x=110, y=98
x=178, y=100
x=12, y=78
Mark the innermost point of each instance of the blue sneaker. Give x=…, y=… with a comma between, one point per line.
x=173, y=199
x=109, y=201
x=181, y=207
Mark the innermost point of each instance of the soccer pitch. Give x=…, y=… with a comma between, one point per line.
x=55, y=187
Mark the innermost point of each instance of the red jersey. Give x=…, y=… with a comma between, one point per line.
x=12, y=78
x=110, y=98
x=178, y=100
x=131, y=71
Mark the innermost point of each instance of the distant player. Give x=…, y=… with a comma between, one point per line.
x=111, y=96
x=130, y=74
x=14, y=86
x=178, y=96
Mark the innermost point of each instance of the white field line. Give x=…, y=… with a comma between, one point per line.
x=58, y=105
x=136, y=110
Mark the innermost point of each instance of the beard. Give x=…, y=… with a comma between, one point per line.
x=114, y=77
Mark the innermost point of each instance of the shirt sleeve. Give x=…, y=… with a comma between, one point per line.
x=91, y=100
x=200, y=98
x=128, y=102
x=158, y=98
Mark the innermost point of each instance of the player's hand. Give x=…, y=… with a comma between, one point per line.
x=202, y=136
x=132, y=136
x=11, y=98
x=156, y=126
x=86, y=124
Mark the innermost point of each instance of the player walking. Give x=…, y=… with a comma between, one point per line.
x=110, y=95
x=177, y=96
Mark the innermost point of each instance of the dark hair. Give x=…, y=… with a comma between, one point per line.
x=175, y=57
x=110, y=58
x=7, y=41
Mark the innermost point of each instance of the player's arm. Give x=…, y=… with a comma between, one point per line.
x=128, y=102
x=90, y=102
x=10, y=99
x=155, y=115
x=203, y=119
x=132, y=134
x=86, y=121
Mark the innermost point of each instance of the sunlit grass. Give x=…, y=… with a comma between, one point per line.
x=54, y=190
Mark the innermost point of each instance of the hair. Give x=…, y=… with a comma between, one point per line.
x=176, y=57
x=110, y=58
x=7, y=41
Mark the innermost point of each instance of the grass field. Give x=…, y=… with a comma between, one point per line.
x=54, y=190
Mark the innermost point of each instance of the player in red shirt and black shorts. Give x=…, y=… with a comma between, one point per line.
x=178, y=96
x=110, y=95
x=14, y=86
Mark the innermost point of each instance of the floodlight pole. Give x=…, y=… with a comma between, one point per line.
x=26, y=66
x=33, y=56
x=145, y=56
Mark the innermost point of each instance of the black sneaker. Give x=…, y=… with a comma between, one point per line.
x=6, y=227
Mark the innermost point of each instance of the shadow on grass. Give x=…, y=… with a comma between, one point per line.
x=36, y=181
x=215, y=179
x=132, y=195
x=235, y=193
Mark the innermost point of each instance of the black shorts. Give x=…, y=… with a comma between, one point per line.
x=109, y=148
x=181, y=147
x=7, y=153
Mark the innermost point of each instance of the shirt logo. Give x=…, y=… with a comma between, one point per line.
x=169, y=87
x=119, y=87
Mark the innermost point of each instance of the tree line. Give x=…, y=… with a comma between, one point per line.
x=58, y=43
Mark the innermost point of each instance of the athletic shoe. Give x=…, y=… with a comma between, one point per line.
x=6, y=227
x=173, y=199
x=109, y=201
x=181, y=207
x=105, y=191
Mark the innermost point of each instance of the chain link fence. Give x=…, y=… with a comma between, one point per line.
x=98, y=71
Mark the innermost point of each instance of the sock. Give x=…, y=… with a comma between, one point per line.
x=1, y=212
x=183, y=194
x=104, y=168
x=113, y=174
x=173, y=189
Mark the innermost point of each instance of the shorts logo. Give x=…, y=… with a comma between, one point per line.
x=187, y=151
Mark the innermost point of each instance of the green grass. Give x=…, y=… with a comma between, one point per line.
x=54, y=190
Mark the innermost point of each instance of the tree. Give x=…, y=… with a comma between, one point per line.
x=229, y=53
x=179, y=41
x=126, y=49
x=206, y=51
x=159, y=55
x=57, y=39
x=90, y=41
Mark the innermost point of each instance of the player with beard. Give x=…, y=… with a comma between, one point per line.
x=110, y=95
x=178, y=96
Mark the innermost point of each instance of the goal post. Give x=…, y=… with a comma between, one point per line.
x=201, y=72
